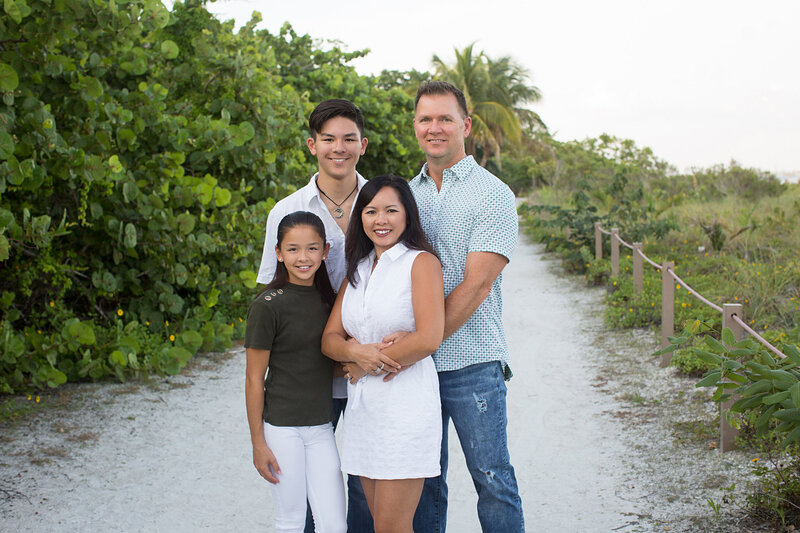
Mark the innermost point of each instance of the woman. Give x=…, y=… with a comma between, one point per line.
x=392, y=427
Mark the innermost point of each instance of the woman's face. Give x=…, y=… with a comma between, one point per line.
x=302, y=250
x=384, y=219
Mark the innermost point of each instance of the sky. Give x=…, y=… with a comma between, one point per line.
x=700, y=82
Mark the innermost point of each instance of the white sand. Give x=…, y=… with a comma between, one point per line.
x=173, y=455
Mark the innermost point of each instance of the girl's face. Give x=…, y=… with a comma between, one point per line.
x=384, y=219
x=302, y=250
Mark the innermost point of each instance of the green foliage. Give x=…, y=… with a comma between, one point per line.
x=140, y=153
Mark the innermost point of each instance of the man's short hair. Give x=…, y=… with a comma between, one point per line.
x=335, y=107
x=442, y=87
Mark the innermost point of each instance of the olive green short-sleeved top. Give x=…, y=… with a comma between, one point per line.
x=289, y=322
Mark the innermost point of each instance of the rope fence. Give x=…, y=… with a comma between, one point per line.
x=731, y=313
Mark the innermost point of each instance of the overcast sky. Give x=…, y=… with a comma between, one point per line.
x=700, y=82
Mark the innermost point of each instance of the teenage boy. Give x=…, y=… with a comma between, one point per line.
x=337, y=140
x=470, y=217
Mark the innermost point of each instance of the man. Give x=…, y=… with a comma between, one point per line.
x=337, y=140
x=470, y=217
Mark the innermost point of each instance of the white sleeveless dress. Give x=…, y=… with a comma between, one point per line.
x=391, y=430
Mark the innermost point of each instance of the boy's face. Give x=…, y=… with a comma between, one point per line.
x=337, y=145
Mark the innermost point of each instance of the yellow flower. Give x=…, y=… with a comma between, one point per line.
x=240, y=319
x=683, y=304
x=652, y=304
x=166, y=322
x=678, y=286
x=146, y=322
x=755, y=459
x=37, y=399
x=735, y=297
x=29, y=397
x=615, y=283
x=630, y=310
x=39, y=331
x=52, y=303
x=120, y=312
x=172, y=338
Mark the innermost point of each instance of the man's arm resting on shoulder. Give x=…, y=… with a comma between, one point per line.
x=481, y=270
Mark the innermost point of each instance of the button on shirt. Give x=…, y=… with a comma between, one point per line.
x=473, y=212
x=306, y=199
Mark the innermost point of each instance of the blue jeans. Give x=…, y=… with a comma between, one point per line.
x=359, y=519
x=475, y=399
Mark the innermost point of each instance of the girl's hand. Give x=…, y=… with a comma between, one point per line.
x=371, y=359
x=353, y=372
x=266, y=464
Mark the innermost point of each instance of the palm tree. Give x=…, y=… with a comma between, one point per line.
x=496, y=92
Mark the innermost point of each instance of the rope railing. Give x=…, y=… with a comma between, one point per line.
x=758, y=337
x=640, y=252
x=694, y=292
x=629, y=246
x=731, y=313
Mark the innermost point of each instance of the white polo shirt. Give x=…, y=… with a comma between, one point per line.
x=306, y=199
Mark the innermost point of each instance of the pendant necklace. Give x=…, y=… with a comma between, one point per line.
x=338, y=212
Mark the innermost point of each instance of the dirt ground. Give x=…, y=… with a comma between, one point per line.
x=602, y=439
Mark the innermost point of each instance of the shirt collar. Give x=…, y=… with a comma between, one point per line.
x=395, y=251
x=460, y=170
x=311, y=191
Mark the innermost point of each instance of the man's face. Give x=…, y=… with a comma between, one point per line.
x=440, y=128
x=337, y=145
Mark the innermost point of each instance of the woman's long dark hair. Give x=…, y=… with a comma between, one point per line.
x=321, y=280
x=358, y=245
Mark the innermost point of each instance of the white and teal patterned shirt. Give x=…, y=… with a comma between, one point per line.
x=474, y=212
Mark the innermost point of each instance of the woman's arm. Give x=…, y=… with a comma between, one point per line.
x=427, y=297
x=336, y=346
x=263, y=458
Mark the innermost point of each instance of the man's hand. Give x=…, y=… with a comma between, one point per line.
x=353, y=372
x=392, y=338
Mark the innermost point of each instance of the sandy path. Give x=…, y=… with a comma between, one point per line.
x=173, y=455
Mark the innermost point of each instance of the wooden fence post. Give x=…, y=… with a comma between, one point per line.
x=638, y=275
x=728, y=433
x=614, y=252
x=667, y=309
x=598, y=241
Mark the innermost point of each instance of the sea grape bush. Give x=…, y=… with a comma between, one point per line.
x=141, y=150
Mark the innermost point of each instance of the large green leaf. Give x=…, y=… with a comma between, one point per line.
x=6, y=145
x=83, y=332
x=169, y=49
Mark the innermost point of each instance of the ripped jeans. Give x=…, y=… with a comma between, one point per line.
x=475, y=399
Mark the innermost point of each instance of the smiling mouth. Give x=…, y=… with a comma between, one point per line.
x=382, y=232
x=304, y=268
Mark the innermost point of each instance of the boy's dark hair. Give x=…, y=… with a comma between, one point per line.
x=358, y=245
x=281, y=278
x=335, y=107
x=442, y=87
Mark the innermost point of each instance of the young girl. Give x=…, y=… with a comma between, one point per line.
x=290, y=414
x=392, y=429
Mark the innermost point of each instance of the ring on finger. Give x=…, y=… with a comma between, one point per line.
x=380, y=368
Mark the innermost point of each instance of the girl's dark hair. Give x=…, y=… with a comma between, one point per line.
x=358, y=245
x=321, y=280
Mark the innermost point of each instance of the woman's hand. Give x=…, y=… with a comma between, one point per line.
x=265, y=462
x=371, y=359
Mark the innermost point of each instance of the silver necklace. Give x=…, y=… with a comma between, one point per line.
x=338, y=212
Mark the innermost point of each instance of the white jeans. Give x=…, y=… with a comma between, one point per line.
x=310, y=470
